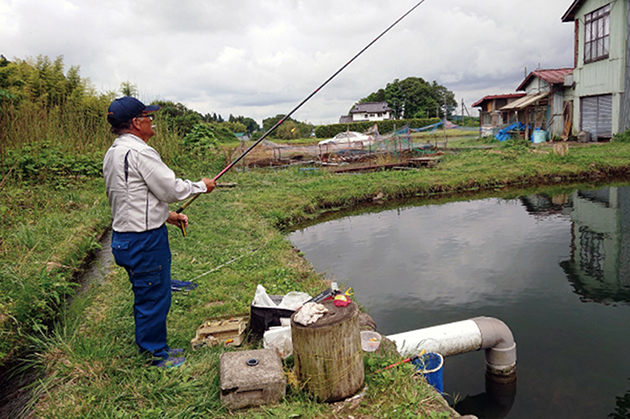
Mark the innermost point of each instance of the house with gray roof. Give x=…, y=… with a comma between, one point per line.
x=368, y=111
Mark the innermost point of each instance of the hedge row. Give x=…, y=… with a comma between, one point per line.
x=386, y=126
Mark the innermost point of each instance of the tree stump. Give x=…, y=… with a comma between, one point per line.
x=328, y=355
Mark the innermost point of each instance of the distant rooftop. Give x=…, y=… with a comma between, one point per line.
x=371, y=107
x=555, y=76
x=493, y=97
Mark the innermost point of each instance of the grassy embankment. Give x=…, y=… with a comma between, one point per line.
x=91, y=366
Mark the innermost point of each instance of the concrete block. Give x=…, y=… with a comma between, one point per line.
x=251, y=378
x=584, y=137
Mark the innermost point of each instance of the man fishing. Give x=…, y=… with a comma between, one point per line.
x=139, y=188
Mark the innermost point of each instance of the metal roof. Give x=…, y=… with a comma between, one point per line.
x=371, y=107
x=554, y=76
x=493, y=97
x=524, y=102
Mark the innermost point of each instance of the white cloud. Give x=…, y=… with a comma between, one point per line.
x=261, y=58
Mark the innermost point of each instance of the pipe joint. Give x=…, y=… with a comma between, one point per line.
x=498, y=341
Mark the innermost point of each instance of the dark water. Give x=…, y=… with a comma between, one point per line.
x=555, y=269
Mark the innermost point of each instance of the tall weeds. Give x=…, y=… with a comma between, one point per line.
x=28, y=123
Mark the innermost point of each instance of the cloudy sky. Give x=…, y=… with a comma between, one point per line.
x=259, y=58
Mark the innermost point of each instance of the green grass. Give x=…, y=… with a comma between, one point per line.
x=46, y=234
x=89, y=355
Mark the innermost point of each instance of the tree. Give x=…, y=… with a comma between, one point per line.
x=445, y=98
x=4, y=76
x=250, y=124
x=212, y=118
x=128, y=89
x=270, y=122
x=42, y=81
x=302, y=129
x=232, y=126
x=288, y=131
x=414, y=97
x=178, y=117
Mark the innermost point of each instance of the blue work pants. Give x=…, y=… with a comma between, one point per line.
x=146, y=257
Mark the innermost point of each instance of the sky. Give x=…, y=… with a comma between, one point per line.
x=260, y=58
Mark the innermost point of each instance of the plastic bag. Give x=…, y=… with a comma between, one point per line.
x=279, y=338
x=262, y=299
x=294, y=300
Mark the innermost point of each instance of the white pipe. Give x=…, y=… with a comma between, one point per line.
x=465, y=336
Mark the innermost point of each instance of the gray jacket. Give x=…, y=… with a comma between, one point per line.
x=140, y=186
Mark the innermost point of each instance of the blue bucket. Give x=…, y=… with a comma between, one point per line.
x=539, y=136
x=430, y=365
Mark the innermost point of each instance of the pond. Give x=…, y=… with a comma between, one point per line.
x=554, y=267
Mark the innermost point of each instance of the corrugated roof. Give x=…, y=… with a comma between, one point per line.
x=554, y=76
x=524, y=102
x=371, y=107
x=493, y=97
x=569, y=15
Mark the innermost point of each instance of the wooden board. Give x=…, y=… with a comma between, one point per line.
x=221, y=330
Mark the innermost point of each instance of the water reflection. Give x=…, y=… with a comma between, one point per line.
x=599, y=264
x=495, y=403
x=532, y=262
x=622, y=410
x=599, y=267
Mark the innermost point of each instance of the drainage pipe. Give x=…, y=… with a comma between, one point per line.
x=465, y=336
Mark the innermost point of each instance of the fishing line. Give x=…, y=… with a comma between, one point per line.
x=277, y=124
x=225, y=264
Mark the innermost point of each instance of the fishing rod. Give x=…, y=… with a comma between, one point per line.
x=277, y=124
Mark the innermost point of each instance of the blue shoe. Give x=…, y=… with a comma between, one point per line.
x=182, y=285
x=175, y=351
x=170, y=362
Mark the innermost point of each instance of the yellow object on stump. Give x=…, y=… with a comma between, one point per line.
x=328, y=354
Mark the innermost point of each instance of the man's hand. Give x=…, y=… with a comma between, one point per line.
x=210, y=184
x=177, y=219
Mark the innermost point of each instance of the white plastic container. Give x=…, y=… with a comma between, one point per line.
x=370, y=341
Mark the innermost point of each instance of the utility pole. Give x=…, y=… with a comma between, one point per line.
x=444, y=123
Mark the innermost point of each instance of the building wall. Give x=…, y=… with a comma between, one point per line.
x=363, y=116
x=556, y=103
x=491, y=117
x=537, y=85
x=604, y=76
x=624, y=117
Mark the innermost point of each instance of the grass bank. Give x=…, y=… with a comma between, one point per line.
x=90, y=361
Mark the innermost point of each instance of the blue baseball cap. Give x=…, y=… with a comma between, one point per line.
x=126, y=108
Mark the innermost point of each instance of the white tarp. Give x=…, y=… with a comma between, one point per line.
x=348, y=139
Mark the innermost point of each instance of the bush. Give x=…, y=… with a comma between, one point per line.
x=622, y=137
x=203, y=137
x=45, y=161
x=388, y=125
